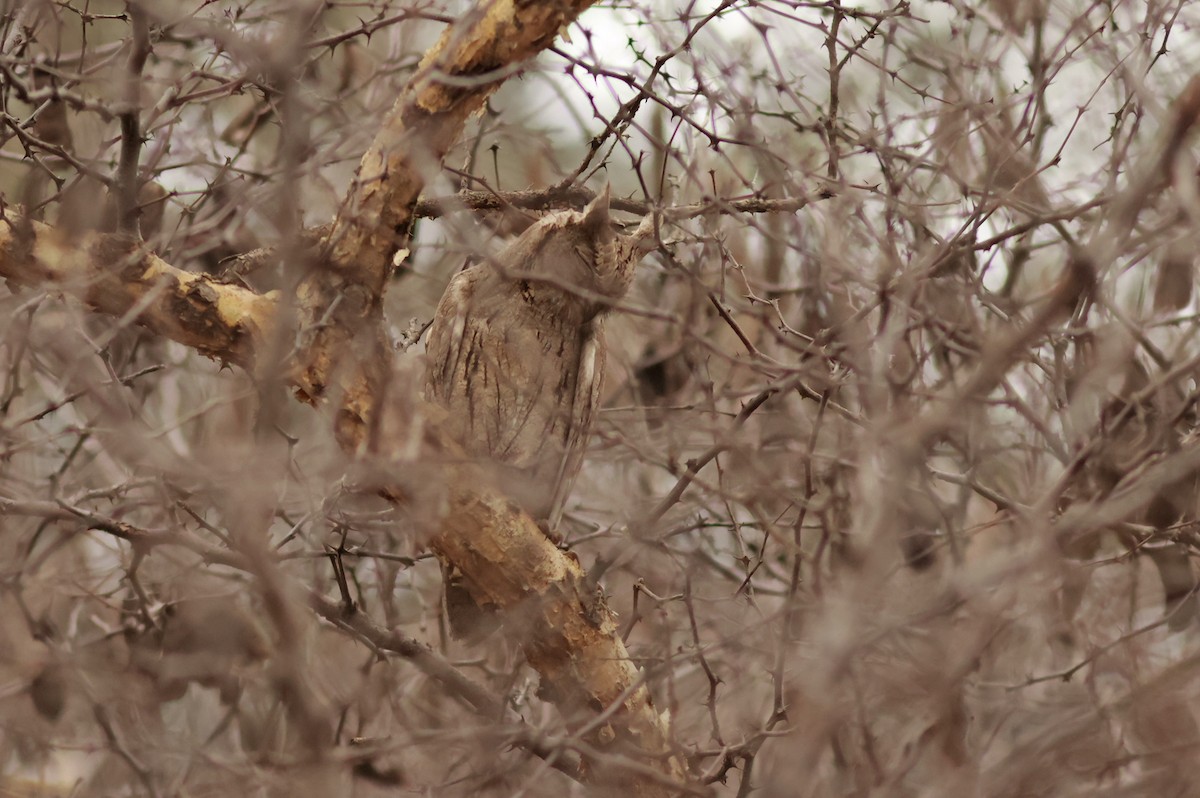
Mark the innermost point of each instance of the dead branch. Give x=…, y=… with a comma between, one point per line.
x=116, y=275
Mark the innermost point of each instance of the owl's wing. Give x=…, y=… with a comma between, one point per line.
x=478, y=371
x=444, y=347
x=588, y=386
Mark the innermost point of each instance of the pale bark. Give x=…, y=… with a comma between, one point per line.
x=116, y=275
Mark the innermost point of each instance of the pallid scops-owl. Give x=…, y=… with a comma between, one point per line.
x=516, y=351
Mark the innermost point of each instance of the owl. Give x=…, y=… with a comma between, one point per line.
x=516, y=351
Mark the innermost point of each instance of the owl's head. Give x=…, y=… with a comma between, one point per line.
x=575, y=256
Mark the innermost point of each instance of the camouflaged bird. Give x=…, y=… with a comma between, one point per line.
x=516, y=351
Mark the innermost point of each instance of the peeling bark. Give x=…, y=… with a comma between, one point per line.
x=469, y=62
x=568, y=633
x=118, y=276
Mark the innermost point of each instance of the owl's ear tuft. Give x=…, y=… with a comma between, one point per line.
x=595, y=215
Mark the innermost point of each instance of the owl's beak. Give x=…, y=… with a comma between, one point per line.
x=604, y=240
x=643, y=240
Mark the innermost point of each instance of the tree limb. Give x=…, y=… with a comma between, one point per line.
x=116, y=275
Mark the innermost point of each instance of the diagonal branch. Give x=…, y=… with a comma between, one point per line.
x=131, y=125
x=536, y=200
x=456, y=76
x=116, y=275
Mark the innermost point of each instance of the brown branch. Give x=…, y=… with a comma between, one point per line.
x=695, y=464
x=570, y=635
x=555, y=197
x=578, y=196
x=455, y=78
x=131, y=126
x=117, y=276
x=433, y=665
